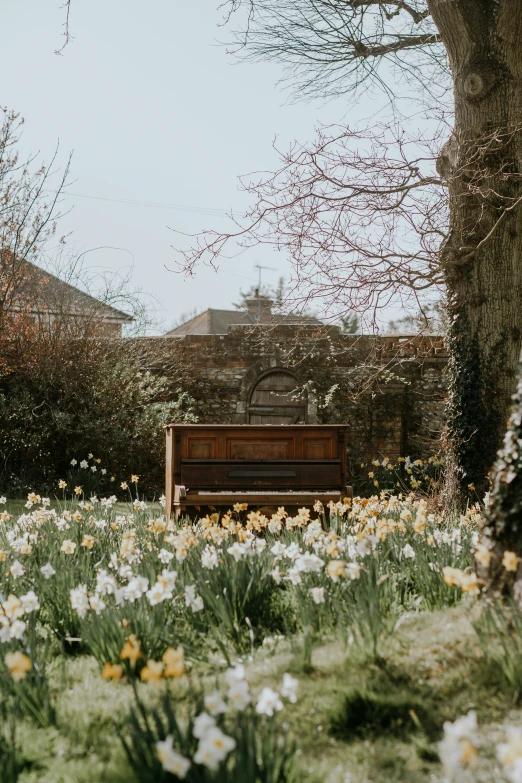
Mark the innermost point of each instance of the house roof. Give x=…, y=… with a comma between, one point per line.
x=213, y=321
x=54, y=295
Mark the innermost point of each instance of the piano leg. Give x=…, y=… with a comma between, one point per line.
x=180, y=494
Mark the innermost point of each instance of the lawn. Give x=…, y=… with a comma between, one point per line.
x=357, y=647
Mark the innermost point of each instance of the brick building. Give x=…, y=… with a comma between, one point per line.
x=389, y=390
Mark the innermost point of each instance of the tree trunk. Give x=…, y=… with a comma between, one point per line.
x=482, y=257
x=504, y=531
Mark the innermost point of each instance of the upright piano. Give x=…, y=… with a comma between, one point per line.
x=262, y=465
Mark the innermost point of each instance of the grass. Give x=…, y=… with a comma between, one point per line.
x=16, y=506
x=351, y=716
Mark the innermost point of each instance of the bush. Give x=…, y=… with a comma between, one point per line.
x=82, y=396
x=423, y=476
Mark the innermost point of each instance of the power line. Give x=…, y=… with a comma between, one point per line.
x=163, y=205
x=211, y=211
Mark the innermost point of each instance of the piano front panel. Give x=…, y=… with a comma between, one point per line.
x=201, y=447
x=238, y=474
x=318, y=448
x=260, y=448
x=252, y=444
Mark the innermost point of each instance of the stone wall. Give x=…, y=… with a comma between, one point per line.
x=389, y=390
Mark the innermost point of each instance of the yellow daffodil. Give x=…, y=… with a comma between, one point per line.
x=112, y=671
x=18, y=665
x=483, y=556
x=153, y=671
x=62, y=484
x=335, y=569
x=451, y=575
x=332, y=549
x=468, y=754
x=131, y=650
x=88, y=541
x=174, y=661
x=420, y=523
x=157, y=525
x=468, y=583
x=510, y=561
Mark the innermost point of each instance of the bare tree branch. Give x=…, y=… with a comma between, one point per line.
x=361, y=214
x=331, y=47
x=67, y=33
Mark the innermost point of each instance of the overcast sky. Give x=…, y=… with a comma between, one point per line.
x=155, y=111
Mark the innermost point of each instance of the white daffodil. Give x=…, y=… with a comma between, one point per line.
x=47, y=570
x=317, y=595
x=214, y=748
x=30, y=602
x=202, y=725
x=268, y=702
x=171, y=760
x=214, y=703
x=289, y=687
x=17, y=569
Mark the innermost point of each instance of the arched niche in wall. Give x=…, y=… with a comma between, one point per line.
x=276, y=398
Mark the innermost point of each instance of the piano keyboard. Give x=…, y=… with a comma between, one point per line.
x=264, y=492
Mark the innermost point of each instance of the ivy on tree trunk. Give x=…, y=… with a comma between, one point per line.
x=504, y=530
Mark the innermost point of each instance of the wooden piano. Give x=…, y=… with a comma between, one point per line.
x=262, y=465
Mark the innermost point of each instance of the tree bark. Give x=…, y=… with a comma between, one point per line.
x=504, y=524
x=482, y=257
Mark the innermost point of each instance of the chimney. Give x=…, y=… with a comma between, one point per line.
x=259, y=308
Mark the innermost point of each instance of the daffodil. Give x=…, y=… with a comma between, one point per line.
x=131, y=650
x=171, y=760
x=112, y=671
x=336, y=569
x=174, y=661
x=153, y=671
x=510, y=561
x=483, y=555
x=88, y=541
x=18, y=664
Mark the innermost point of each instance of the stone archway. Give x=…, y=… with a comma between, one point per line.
x=256, y=373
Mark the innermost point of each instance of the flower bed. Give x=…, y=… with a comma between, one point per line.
x=171, y=612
